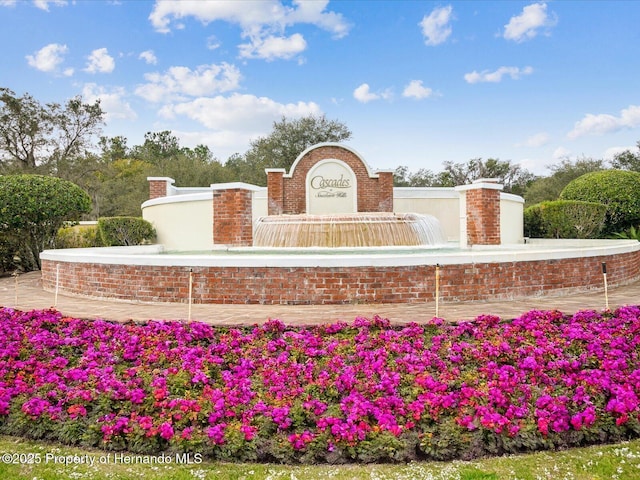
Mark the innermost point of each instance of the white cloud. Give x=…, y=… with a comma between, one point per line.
x=561, y=152
x=8, y=3
x=435, y=26
x=149, y=57
x=496, y=76
x=527, y=25
x=271, y=48
x=604, y=123
x=415, y=89
x=263, y=22
x=100, y=62
x=212, y=42
x=238, y=113
x=179, y=81
x=537, y=140
x=44, y=4
x=112, y=102
x=363, y=94
x=314, y=13
x=48, y=58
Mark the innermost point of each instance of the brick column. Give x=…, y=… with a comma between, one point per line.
x=480, y=220
x=159, y=186
x=232, y=216
x=385, y=190
x=275, y=190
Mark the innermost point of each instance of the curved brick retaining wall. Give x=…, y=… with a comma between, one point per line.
x=337, y=279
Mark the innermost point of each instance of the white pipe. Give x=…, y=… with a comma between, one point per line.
x=55, y=301
x=437, y=288
x=606, y=290
x=190, y=292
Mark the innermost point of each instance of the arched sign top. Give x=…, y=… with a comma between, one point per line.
x=329, y=178
x=330, y=144
x=331, y=187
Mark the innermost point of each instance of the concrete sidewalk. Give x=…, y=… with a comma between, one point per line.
x=25, y=293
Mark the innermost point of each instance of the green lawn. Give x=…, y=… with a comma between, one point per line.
x=620, y=461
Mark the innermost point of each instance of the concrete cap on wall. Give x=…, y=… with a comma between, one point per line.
x=236, y=186
x=481, y=183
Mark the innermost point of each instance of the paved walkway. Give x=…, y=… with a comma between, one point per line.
x=25, y=293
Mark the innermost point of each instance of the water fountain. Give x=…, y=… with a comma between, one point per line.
x=330, y=231
x=370, y=229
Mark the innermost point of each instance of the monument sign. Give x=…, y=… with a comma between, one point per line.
x=331, y=188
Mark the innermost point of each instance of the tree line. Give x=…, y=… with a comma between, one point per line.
x=66, y=141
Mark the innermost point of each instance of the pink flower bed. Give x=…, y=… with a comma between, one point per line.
x=361, y=392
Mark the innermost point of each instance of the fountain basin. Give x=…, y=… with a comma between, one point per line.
x=371, y=229
x=338, y=276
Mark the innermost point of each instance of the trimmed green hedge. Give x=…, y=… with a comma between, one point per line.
x=619, y=190
x=119, y=231
x=564, y=219
x=32, y=210
x=79, y=236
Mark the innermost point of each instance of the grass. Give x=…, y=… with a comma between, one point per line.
x=620, y=461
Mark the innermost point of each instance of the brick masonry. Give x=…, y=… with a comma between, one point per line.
x=275, y=191
x=340, y=285
x=232, y=219
x=375, y=194
x=483, y=217
x=157, y=187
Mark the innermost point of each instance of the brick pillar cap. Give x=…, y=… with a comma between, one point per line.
x=275, y=170
x=479, y=186
x=236, y=186
x=385, y=170
x=161, y=179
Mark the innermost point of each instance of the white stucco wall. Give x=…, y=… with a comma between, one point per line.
x=259, y=206
x=442, y=203
x=182, y=222
x=511, y=219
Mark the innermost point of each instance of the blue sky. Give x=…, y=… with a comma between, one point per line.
x=417, y=82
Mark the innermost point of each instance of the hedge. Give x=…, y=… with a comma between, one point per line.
x=116, y=231
x=619, y=190
x=564, y=219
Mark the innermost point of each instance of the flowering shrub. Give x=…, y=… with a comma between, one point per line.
x=362, y=392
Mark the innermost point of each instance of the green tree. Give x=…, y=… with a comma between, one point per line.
x=282, y=146
x=121, y=188
x=195, y=167
x=46, y=138
x=627, y=160
x=617, y=189
x=113, y=148
x=549, y=188
x=159, y=149
x=33, y=208
x=402, y=177
x=514, y=178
